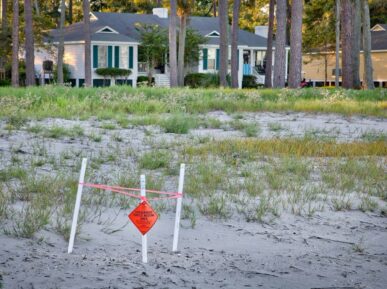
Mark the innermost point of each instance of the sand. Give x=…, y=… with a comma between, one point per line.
x=329, y=250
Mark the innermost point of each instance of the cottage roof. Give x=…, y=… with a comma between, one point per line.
x=125, y=25
x=379, y=37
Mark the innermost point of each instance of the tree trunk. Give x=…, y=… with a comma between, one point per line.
x=296, y=44
x=234, y=44
x=37, y=10
x=280, y=51
x=4, y=15
x=15, y=44
x=70, y=18
x=269, y=51
x=214, y=7
x=4, y=27
x=61, y=43
x=182, y=34
x=356, y=43
x=326, y=67
x=172, y=45
x=337, y=70
x=346, y=43
x=86, y=31
x=29, y=44
x=223, y=23
x=368, y=70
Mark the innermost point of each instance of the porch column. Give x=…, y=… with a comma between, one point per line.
x=252, y=60
x=240, y=66
x=286, y=67
x=135, y=65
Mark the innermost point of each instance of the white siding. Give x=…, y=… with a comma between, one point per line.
x=74, y=57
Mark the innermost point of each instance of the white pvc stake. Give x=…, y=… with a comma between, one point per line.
x=144, y=242
x=178, y=208
x=77, y=205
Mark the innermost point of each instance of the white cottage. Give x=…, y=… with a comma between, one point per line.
x=115, y=42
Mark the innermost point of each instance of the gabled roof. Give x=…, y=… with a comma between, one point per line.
x=125, y=25
x=379, y=37
x=379, y=27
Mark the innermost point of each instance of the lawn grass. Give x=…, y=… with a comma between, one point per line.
x=116, y=102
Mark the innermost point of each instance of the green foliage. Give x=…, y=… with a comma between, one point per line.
x=205, y=80
x=154, y=43
x=192, y=50
x=117, y=102
x=66, y=73
x=179, y=124
x=155, y=160
x=249, y=81
x=113, y=72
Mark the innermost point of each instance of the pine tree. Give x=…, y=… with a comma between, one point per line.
x=223, y=23
x=296, y=44
x=184, y=8
x=234, y=44
x=368, y=70
x=347, y=43
x=280, y=45
x=87, y=35
x=337, y=44
x=356, y=43
x=15, y=44
x=29, y=44
x=61, y=43
x=172, y=45
x=269, y=51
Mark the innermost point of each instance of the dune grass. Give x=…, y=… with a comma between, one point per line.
x=115, y=102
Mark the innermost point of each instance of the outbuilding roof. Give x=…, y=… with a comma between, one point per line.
x=379, y=38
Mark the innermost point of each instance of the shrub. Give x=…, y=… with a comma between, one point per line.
x=249, y=81
x=113, y=72
x=180, y=124
x=195, y=80
x=154, y=160
x=144, y=80
x=66, y=73
x=5, y=82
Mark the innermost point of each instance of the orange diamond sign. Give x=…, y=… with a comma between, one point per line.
x=143, y=217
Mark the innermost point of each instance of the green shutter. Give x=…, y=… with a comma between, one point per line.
x=95, y=56
x=117, y=56
x=217, y=59
x=110, y=56
x=130, y=56
x=205, y=59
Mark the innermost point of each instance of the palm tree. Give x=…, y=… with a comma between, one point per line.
x=61, y=42
x=172, y=46
x=86, y=31
x=15, y=44
x=280, y=50
x=269, y=51
x=234, y=44
x=296, y=44
x=184, y=9
x=368, y=70
x=223, y=63
x=29, y=44
x=347, y=43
